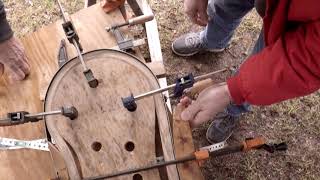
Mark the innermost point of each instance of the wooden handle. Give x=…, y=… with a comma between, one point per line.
x=141, y=19
x=199, y=86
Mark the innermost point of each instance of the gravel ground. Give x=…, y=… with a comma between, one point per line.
x=295, y=121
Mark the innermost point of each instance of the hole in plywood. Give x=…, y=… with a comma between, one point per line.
x=96, y=146
x=137, y=177
x=129, y=146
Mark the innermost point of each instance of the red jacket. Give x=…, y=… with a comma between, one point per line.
x=289, y=65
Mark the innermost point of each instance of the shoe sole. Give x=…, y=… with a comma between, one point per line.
x=183, y=55
x=211, y=142
x=191, y=54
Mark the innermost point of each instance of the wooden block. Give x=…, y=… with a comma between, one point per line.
x=183, y=144
x=157, y=68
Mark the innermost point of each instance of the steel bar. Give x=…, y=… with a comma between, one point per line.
x=201, y=77
x=135, y=170
x=80, y=55
x=150, y=93
x=62, y=11
x=221, y=152
x=44, y=114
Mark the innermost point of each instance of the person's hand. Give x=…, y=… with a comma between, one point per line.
x=13, y=59
x=197, y=11
x=210, y=101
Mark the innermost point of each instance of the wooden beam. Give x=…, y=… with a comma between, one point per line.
x=183, y=144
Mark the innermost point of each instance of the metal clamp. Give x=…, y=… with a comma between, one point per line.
x=182, y=84
x=21, y=117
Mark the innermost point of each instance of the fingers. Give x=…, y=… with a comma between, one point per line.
x=14, y=59
x=191, y=111
x=185, y=101
x=1, y=69
x=15, y=73
x=193, y=16
x=202, y=18
x=200, y=118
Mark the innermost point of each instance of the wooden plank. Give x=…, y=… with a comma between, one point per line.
x=154, y=44
x=42, y=46
x=157, y=68
x=183, y=143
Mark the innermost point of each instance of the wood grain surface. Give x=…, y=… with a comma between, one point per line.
x=42, y=46
x=23, y=163
x=102, y=117
x=183, y=144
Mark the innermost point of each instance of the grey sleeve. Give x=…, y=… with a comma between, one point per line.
x=5, y=29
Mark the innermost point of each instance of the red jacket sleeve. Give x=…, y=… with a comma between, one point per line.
x=286, y=69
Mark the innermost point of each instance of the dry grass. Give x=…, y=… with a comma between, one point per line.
x=26, y=16
x=296, y=121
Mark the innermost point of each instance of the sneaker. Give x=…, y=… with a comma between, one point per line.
x=190, y=44
x=221, y=128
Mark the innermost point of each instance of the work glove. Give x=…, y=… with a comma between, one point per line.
x=13, y=59
x=197, y=11
x=210, y=101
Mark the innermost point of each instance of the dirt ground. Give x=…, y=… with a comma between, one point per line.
x=295, y=121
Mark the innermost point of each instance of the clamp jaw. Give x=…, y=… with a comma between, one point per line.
x=71, y=34
x=129, y=103
x=21, y=117
x=181, y=84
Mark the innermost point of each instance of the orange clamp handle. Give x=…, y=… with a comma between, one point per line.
x=201, y=156
x=253, y=143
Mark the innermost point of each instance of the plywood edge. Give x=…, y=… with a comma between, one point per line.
x=166, y=136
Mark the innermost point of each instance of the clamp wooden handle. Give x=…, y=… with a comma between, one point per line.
x=198, y=87
x=141, y=19
x=254, y=143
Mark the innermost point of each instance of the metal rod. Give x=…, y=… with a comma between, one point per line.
x=62, y=11
x=154, y=92
x=80, y=55
x=150, y=93
x=44, y=114
x=225, y=151
x=154, y=166
x=210, y=74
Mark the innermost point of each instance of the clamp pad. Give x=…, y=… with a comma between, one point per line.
x=129, y=103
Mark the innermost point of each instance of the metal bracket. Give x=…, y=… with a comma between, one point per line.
x=215, y=147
